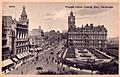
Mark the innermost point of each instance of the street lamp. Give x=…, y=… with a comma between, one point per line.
x=92, y=62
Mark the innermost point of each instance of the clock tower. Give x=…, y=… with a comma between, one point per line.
x=71, y=21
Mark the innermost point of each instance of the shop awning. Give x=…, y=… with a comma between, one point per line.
x=26, y=53
x=31, y=49
x=39, y=48
x=22, y=55
x=19, y=56
x=35, y=49
x=15, y=59
x=7, y=62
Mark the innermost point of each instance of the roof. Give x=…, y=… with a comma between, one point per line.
x=113, y=52
x=99, y=28
x=6, y=62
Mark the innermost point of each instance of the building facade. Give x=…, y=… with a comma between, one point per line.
x=36, y=39
x=7, y=38
x=53, y=37
x=6, y=25
x=15, y=41
x=20, y=28
x=7, y=43
x=88, y=36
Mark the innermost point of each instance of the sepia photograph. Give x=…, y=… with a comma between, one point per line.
x=60, y=38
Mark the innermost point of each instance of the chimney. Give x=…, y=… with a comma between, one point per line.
x=91, y=25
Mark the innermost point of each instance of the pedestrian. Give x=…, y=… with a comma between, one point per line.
x=21, y=72
x=58, y=69
x=55, y=60
x=62, y=64
x=32, y=60
x=5, y=71
x=47, y=62
x=16, y=68
x=63, y=69
x=52, y=58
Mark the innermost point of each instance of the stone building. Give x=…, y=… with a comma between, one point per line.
x=36, y=39
x=6, y=36
x=21, y=36
x=88, y=36
x=15, y=41
x=52, y=37
x=7, y=43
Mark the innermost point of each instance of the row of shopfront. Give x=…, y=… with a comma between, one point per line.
x=11, y=63
x=33, y=51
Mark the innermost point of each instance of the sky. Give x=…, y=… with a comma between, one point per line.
x=54, y=15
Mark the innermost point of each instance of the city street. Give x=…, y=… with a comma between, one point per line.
x=30, y=66
x=45, y=60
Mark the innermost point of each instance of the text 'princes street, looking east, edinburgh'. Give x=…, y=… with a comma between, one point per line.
x=91, y=7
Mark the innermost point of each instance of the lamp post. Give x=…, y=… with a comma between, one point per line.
x=92, y=62
x=25, y=69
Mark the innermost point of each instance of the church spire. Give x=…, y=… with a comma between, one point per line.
x=23, y=12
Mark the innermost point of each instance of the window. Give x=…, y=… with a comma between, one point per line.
x=32, y=42
x=99, y=41
x=100, y=46
x=32, y=39
x=16, y=51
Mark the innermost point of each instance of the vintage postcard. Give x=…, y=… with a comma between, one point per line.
x=60, y=38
